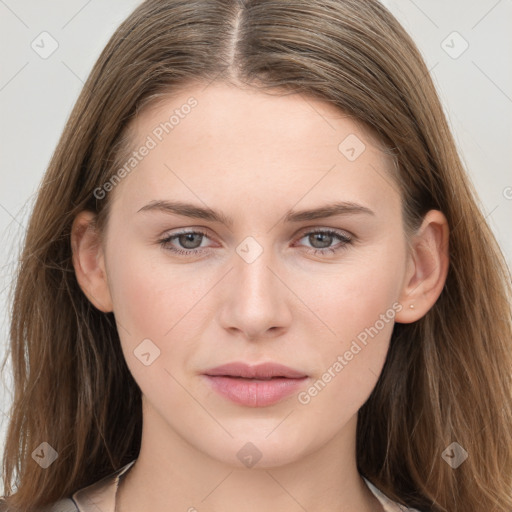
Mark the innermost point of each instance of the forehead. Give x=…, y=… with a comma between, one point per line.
x=220, y=142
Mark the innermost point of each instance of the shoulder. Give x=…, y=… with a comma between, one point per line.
x=97, y=496
x=63, y=505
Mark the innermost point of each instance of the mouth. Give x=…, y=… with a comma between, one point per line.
x=262, y=371
x=255, y=386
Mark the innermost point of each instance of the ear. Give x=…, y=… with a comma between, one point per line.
x=89, y=261
x=427, y=268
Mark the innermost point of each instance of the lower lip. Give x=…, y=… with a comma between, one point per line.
x=254, y=393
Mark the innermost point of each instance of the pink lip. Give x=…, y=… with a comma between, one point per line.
x=243, y=383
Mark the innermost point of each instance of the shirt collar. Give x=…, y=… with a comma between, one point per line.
x=101, y=495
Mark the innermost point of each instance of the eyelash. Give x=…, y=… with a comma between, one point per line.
x=345, y=241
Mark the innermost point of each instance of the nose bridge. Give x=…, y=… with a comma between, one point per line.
x=255, y=300
x=254, y=257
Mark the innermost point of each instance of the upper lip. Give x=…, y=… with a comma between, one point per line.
x=256, y=371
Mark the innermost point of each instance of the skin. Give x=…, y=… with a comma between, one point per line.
x=255, y=156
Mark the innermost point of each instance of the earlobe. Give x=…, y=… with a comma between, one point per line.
x=427, y=268
x=89, y=262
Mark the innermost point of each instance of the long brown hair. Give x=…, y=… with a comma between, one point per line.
x=447, y=377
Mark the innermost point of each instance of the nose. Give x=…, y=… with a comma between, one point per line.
x=255, y=302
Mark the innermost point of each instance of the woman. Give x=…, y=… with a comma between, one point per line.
x=256, y=277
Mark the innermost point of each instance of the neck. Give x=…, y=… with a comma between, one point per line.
x=171, y=474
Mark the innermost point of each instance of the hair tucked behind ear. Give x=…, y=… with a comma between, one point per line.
x=447, y=377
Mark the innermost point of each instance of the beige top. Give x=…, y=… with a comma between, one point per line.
x=102, y=495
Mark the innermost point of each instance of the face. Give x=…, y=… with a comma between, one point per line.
x=257, y=283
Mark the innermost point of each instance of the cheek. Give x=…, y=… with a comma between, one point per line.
x=359, y=304
x=351, y=296
x=150, y=296
x=159, y=301
x=155, y=306
x=349, y=369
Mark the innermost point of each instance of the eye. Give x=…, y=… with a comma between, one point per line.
x=190, y=243
x=321, y=240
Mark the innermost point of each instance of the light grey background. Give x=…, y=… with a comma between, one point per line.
x=37, y=95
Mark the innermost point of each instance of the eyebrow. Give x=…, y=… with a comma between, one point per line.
x=199, y=212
